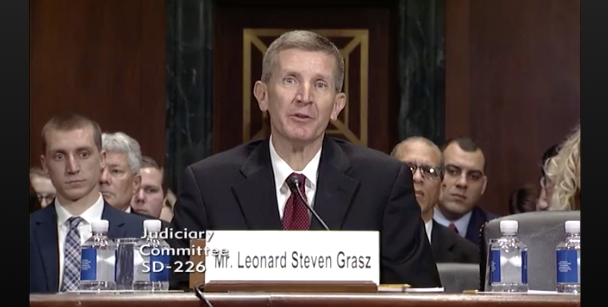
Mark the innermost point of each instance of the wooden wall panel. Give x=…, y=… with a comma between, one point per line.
x=513, y=83
x=104, y=59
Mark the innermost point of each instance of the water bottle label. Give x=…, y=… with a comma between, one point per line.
x=524, y=267
x=97, y=265
x=88, y=264
x=568, y=266
x=495, y=266
x=160, y=270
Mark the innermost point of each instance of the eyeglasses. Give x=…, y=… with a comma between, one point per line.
x=427, y=172
x=49, y=198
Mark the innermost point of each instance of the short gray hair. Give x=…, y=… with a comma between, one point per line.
x=120, y=142
x=307, y=41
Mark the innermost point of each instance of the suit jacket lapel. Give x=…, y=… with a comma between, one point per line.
x=117, y=223
x=441, y=244
x=477, y=218
x=256, y=194
x=335, y=189
x=46, y=237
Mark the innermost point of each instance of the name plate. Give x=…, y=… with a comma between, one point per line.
x=293, y=256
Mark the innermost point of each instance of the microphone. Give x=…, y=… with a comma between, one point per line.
x=294, y=184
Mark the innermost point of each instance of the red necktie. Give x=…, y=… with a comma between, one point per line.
x=295, y=215
x=453, y=227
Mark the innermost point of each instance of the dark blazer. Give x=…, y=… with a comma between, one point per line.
x=479, y=217
x=358, y=189
x=44, y=253
x=164, y=223
x=448, y=246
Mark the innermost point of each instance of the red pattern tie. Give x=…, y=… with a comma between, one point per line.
x=295, y=214
x=453, y=227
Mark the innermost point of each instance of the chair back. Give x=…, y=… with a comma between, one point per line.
x=457, y=277
x=541, y=231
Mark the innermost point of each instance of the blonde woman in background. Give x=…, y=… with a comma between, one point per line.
x=166, y=212
x=564, y=173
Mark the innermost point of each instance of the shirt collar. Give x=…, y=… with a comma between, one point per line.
x=282, y=170
x=429, y=228
x=462, y=224
x=93, y=213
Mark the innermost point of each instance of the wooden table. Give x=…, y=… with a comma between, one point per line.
x=301, y=300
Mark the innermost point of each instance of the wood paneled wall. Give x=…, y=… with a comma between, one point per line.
x=512, y=83
x=104, y=59
x=512, y=76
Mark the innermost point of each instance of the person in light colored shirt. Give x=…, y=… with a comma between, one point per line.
x=73, y=158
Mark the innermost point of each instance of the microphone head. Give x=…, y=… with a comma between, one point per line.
x=293, y=181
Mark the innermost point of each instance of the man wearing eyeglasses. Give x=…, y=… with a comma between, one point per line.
x=425, y=159
x=463, y=184
x=42, y=186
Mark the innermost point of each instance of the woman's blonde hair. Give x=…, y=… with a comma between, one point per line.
x=563, y=171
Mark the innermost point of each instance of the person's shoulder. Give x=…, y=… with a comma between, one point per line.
x=366, y=157
x=231, y=158
x=41, y=214
x=463, y=246
x=488, y=216
x=130, y=219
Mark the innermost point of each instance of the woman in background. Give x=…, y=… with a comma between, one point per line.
x=166, y=212
x=546, y=187
x=564, y=172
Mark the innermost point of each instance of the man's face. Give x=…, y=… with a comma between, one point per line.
x=118, y=183
x=464, y=181
x=150, y=196
x=425, y=163
x=301, y=96
x=44, y=188
x=73, y=162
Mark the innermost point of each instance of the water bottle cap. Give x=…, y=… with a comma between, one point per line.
x=508, y=227
x=573, y=226
x=152, y=225
x=100, y=226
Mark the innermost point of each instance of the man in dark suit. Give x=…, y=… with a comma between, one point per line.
x=73, y=159
x=349, y=186
x=425, y=159
x=463, y=185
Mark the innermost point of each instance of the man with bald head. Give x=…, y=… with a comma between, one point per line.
x=463, y=185
x=425, y=160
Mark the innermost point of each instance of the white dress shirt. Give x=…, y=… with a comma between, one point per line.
x=282, y=170
x=462, y=224
x=63, y=227
x=429, y=229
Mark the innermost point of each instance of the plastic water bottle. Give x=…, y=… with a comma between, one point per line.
x=98, y=259
x=151, y=260
x=568, y=259
x=509, y=261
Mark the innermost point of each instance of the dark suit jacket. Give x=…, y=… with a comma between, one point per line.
x=44, y=253
x=478, y=218
x=358, y=189
x=448, y=246
x=164, y=223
